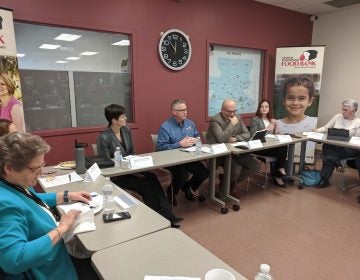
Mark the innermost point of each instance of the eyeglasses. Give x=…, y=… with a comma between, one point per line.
x=230, y=111
x=181, y=110
x=36, y=169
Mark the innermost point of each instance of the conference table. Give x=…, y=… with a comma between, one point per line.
x=162, y=159
x=273, y=142
x=143, y=220
x=344, y=144
x=168, y=252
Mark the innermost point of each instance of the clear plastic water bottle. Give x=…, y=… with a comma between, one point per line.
x=264, y=273
x=118, y=157
x=198, y=145
x=108, y=203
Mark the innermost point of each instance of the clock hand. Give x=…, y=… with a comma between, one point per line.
x=173, y=46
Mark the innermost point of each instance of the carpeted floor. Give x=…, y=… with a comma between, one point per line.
x=303, y=234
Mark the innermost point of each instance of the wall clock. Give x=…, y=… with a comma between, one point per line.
x=174, y=49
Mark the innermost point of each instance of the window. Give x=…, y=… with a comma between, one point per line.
x=69, y=75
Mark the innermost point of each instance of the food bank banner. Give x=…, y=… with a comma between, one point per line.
x=298, y=72
x=8, y=58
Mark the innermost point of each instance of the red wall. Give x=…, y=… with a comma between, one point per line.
x=243, y=23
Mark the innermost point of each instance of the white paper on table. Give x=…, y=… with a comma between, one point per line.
x=355, y=140
x=191, y=149
x=129, y=157
x=242, y=143
x=255, y=144
x=141, y=162
x=314, y=135
x=147, y=277
x=125, y=201
x=284, y=138
x=271, y=136
x=219, y=148
x=53, y=181
x=84, y=222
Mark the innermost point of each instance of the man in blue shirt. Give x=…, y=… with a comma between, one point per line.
x=180, y=132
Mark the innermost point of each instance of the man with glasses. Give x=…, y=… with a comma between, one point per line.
x=228, y=127
x=180, y=132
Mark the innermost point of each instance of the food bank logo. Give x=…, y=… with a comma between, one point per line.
x=306, y=59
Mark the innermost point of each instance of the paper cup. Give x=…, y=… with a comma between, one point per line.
x=219, y=274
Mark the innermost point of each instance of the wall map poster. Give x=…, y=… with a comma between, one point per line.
x=234, y=73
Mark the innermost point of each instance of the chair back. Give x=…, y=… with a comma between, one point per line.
x=154, y=138
x=95, y=150
x=204, y=133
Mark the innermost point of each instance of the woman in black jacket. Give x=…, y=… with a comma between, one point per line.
x=117, y=134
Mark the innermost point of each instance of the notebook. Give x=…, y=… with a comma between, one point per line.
x=339, y=134
x=259, y=135
x=102, y=162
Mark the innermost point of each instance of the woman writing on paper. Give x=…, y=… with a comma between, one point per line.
x=30, y=230
x=263, y=120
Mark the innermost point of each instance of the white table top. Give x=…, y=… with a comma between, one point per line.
x=168, y=252
x=143, y=220
x=163, y=159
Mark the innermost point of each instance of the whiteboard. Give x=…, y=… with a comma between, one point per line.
x=234, y=73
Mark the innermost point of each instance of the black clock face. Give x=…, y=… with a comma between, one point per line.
x=175, y=49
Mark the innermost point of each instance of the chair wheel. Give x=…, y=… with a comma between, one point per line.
x=358, y=199
x=224, y=210
x=236, y=207
x=201, y=198
x=301, y=186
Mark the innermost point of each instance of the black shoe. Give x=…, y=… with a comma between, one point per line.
x=172, y=201
x=280, y=184
x=324, y=183
x=175, y=225
x=188, y=194
x=278, y=174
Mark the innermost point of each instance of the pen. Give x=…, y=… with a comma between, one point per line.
x=69, y=177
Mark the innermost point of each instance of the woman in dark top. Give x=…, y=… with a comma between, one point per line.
x=117, y=134
x=263, y=120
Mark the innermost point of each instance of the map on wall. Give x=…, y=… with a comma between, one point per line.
x=234, y=73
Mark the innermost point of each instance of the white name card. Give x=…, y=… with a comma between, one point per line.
x=314, y=135
x=92, y=173
x=284, y=138
x=355, y=140
x=141, y=162
x=219, y=148
x=255, y=144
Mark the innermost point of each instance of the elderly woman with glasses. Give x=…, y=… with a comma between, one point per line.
x=333, y=154
x=31, y=245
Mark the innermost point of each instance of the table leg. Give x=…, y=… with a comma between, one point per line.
x=212, y=174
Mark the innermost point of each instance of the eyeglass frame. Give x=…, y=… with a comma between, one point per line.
x=36, y=169
x=181, y=110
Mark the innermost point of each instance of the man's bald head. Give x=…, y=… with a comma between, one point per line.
x=228, y=109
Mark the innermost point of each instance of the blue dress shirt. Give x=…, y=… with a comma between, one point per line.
x=171, y=133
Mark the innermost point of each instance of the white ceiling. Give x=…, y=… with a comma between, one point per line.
x=311, y=7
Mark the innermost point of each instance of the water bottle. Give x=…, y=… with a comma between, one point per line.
x=118, y=157
x=80, y=157
x=198, y=145
x=108, y=202
x=264, y=273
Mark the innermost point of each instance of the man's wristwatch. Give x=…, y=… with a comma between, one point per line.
x=66, y=196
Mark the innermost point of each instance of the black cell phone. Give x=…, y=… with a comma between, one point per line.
x=112, y=217
x=242, y=147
